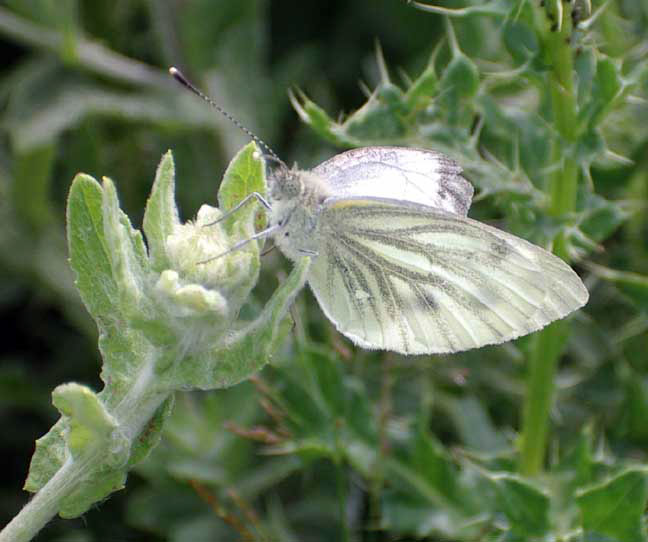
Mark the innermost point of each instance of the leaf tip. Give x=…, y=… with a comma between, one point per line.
x=84, y=179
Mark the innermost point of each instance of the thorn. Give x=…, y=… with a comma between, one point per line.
x=382, y=65
x=452, y=38
x=297, y=106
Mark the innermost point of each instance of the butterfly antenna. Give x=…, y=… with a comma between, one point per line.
x=180, y=78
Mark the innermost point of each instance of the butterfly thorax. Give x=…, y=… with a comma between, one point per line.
x=296, y=199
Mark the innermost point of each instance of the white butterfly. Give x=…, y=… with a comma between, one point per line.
x=397, y=265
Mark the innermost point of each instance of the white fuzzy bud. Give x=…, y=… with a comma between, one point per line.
x=193, y=248
x=189, y=299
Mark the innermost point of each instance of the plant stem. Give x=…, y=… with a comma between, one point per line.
x=548, y=344
x=134, y=412
x=44, y=506
x=89, y=54
x=134, y=409
x=563, y=185
x=543, y=361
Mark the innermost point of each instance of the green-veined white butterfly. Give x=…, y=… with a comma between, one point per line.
x=397, y=264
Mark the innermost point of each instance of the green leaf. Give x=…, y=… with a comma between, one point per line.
x=607, y=85
x=474, y=425
x=634, y=285
x=313, y=115
x=89, y=253
x=150, y=436
x=161, y=214
x=127, y=253
x=585, y=66
x=393, y=97
x=48, y=457
x=525, y=506
x=608, y=80
x=461, y=77
x=601, y=217
x=111, y=263
x=246, y=351
x=520, y=40
x=88, y=423
x=92, y=490
x=578, y=463
x=378, y=120
x=86, y=430
x=433, y=463
x=328, y=411
x=613, y=511
x=428, y=494
x=422, y=90
x=323, y=380
x=426, y=469
x=90, y=258
x=194, y=436
x=91, y=432
x=635, y=406
x=406, y=513
x=244, y=175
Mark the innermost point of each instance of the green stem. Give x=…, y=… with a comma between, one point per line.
x=543, y=361
x=133, y=413
x=563, y=184
x=88, y=54
x=249, y=352
x=563, y=200
x=44, y=506
x=548, y=344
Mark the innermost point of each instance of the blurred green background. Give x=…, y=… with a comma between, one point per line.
x=84, y=87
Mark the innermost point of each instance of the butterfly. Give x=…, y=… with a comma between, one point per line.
x=396, y=262
x=398, y=265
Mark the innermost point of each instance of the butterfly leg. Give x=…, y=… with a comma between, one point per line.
x=240, y=204
x=262, y=234
x=268, y=250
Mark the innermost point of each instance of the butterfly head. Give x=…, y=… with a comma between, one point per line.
x=286, y=184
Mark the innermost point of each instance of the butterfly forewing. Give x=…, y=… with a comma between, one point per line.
x=416, y=175
x=396, y=276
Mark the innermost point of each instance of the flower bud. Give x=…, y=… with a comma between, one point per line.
x=196, y=251
x=202, y=277
x=190, y=299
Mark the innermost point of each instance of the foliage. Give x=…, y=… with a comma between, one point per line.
x=543, y=105
x=167, y=321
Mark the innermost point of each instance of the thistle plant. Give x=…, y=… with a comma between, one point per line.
x=167, y=314
x=535, y=163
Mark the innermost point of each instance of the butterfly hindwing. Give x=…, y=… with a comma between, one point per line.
x=396, y=276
